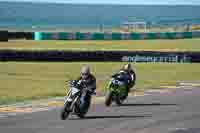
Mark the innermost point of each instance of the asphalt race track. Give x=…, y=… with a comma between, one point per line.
x=176, y=112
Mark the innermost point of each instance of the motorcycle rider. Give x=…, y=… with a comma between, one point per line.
x=128, y=75
x=129, y=70
x=88, y=81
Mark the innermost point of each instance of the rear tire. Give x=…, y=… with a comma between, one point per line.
x=81, y=115
x=65, y=111
x=108, y=99
x=118, y=101
x=83, y=108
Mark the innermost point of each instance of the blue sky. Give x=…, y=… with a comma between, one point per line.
x=169, y=2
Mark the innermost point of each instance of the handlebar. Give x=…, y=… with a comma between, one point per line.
x=73, y=83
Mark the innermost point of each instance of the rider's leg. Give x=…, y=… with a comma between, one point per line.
x=85, y=101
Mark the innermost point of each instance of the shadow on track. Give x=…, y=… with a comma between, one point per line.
x=190, y=130
x=113, y=117
x=144, y=104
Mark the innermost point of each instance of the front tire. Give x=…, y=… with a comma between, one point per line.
x=65, y=111
x=108, y=99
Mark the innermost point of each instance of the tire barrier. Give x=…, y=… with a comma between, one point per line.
x=21, y=35
x=100, y=56
x=3, y=36
x=113, y=36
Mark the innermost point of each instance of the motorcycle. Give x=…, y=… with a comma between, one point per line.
x=77, y=101
x=116, y=91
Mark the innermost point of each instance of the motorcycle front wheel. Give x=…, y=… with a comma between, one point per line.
x=65, y=111
x=108, y=99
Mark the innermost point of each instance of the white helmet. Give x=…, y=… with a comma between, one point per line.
x=85, y=71
x=127, y=67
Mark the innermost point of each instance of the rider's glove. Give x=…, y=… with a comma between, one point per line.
x=91, y=91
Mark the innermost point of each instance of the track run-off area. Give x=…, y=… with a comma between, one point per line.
x=173, y=110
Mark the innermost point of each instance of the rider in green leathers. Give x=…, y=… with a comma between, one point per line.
x=129, y=76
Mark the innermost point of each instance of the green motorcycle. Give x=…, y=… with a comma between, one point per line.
x=116, y=90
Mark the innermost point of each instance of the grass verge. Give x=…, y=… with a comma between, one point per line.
x=130, y=45
x=20, y=81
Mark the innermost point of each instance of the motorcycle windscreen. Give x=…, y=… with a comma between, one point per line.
x=120, y=83
x=74, y=90
x=117, y=82
x=66, y=98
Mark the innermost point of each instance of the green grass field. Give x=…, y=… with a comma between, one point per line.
x=155, y=45
x=21, y=81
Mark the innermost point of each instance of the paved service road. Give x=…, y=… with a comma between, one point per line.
x=176, y=112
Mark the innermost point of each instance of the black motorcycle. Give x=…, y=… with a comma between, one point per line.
x=77, y=101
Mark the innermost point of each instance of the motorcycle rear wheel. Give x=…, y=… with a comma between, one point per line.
x=118, y=101
x=83, y=111
x=81, y=115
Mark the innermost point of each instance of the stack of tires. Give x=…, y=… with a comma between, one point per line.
x=3, y=36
